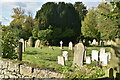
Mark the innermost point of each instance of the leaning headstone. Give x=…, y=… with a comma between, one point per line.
x=94, y=55
x=65, y=54
x=23, y=44
x=70, y=46
x=61, y=60
x=94, y=42
x=104, y=59
x=78, y=54
x=61, y=44
x=88, y=60
x=37, y=44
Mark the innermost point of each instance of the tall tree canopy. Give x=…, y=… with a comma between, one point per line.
x=105, y=20
x=64, y=20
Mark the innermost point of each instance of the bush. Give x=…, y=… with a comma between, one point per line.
x=9, y=43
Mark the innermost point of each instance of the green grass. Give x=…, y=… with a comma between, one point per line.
x=47, y=57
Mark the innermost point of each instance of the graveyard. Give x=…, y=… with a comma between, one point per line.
x=60, y=40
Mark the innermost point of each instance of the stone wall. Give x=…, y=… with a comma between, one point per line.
x=17, y=69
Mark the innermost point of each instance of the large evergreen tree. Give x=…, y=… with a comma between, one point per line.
x=64, y=20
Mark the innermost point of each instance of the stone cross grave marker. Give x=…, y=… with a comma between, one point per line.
x=37, y=44
x=61, y=44
x=104, y=59
x=61, y=60
x=94, y=55
x=65, y=54
x=88, y=60
x=70, y=46
x=23, y=44
x=78, y=54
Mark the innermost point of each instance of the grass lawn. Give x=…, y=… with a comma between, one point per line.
x=47, y=57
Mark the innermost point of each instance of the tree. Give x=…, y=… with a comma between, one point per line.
x=61, y=16
x=81, y=8
x=108, y=24
x=22, y=24
x=89, y=25
x=9, y=42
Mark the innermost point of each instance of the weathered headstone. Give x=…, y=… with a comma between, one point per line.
x=70, y=46
x=28, y=43
x=109, y=56
x=102, y=50
x=94, y=42
x=37, y=44
x=94, y=55
x=61, y=44
x=104, y=59
x=23, y=44
x=78, y=54
x=61, y=60
x=88, y=60
x=65, y=54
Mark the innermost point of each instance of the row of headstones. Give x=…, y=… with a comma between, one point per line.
x=103, y=58
x=80, y=54
x=94, y=42
x=70, y=46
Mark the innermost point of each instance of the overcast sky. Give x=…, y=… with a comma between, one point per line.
x=6, y=6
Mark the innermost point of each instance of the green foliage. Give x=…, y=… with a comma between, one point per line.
x=9, y=42
x=89, y=25
x=103, y=22
x=64, y=19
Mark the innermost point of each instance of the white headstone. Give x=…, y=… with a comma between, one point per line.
x=94, y=55
x=88, y=60
x=104, y=59
x=70, y=45
x=94, y=42
x=61, y=60
x=65, y=54
x=23, y=44
x=37, y=44
x=61, y=44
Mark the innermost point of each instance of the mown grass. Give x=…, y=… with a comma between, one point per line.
x=47, y=57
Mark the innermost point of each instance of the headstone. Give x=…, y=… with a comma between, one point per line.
x=85, y=52
x=109, y=56
x=78, y=54
x=37, y=44
x=94, y=42
x=104, y=59
x=70, y=46
x=23, y=44
x=102, y=50
x=61, y=60
x=88, y=60
x=28, y=43
x=94, y=55
x=65, y=54
x=61, y=44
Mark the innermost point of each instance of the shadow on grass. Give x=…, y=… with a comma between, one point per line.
x=31, y=52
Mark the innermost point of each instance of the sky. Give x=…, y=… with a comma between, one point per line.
x=6, y=6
